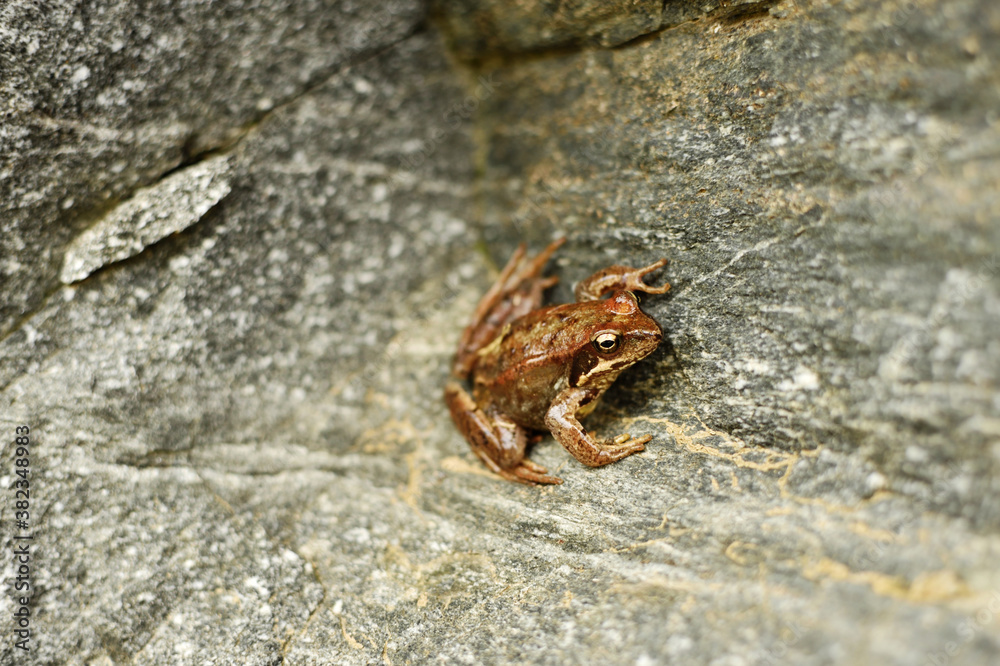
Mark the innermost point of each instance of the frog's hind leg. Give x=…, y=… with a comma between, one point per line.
x=517, y=291
x=498, y=441
x=619, y=278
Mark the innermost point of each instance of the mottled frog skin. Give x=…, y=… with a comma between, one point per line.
x=535, y=369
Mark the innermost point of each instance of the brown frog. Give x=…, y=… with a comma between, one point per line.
x=538, y=368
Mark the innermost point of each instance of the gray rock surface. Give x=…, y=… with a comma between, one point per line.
x=240, y=454
x=100, y=98
x=171, y=205
x=482, y=29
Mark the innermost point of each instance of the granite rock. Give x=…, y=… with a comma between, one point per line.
x=240, y=453
x=483, y=29
x=102, y=98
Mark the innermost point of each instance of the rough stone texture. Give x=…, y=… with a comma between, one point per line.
x=480, y=29
x=241, y=454
x=171, y=205
x=101, y=97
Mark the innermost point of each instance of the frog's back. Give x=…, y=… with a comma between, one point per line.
x=529, y=363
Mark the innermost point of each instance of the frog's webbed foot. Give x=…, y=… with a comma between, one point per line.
x=561, y=419
x=619, y=278
x=516, y=292
x=498, y=441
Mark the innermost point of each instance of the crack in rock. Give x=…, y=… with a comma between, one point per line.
x=171, y=205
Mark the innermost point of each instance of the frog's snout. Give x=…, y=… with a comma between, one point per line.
x=647, y=338
x=652, y=330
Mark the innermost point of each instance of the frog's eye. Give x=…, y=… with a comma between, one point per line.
x=607, y=343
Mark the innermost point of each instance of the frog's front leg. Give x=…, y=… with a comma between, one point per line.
x=618, y=278
x=561, y=419
x=498, y=441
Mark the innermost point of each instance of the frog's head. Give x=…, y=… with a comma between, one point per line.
x=624, y=336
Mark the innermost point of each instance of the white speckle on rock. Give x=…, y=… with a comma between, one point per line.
x=358, y=535
x=81, y=74
x=256, y=584
x=396, y=246
x=803, y=379
x=962, y=484
x=184, y=649
x=875, y=481
x=179, y=263
x=31, y=335
x=757, y=366
x=679, y=644
x=412, y=146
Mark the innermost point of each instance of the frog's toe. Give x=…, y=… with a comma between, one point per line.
x=545, y=283
x=528, y=474
x=623, y=445
x=534, y=467
x=652, y=267
x=627, y=441
x=635, y=280
x=641, y=441
x=534, y=474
